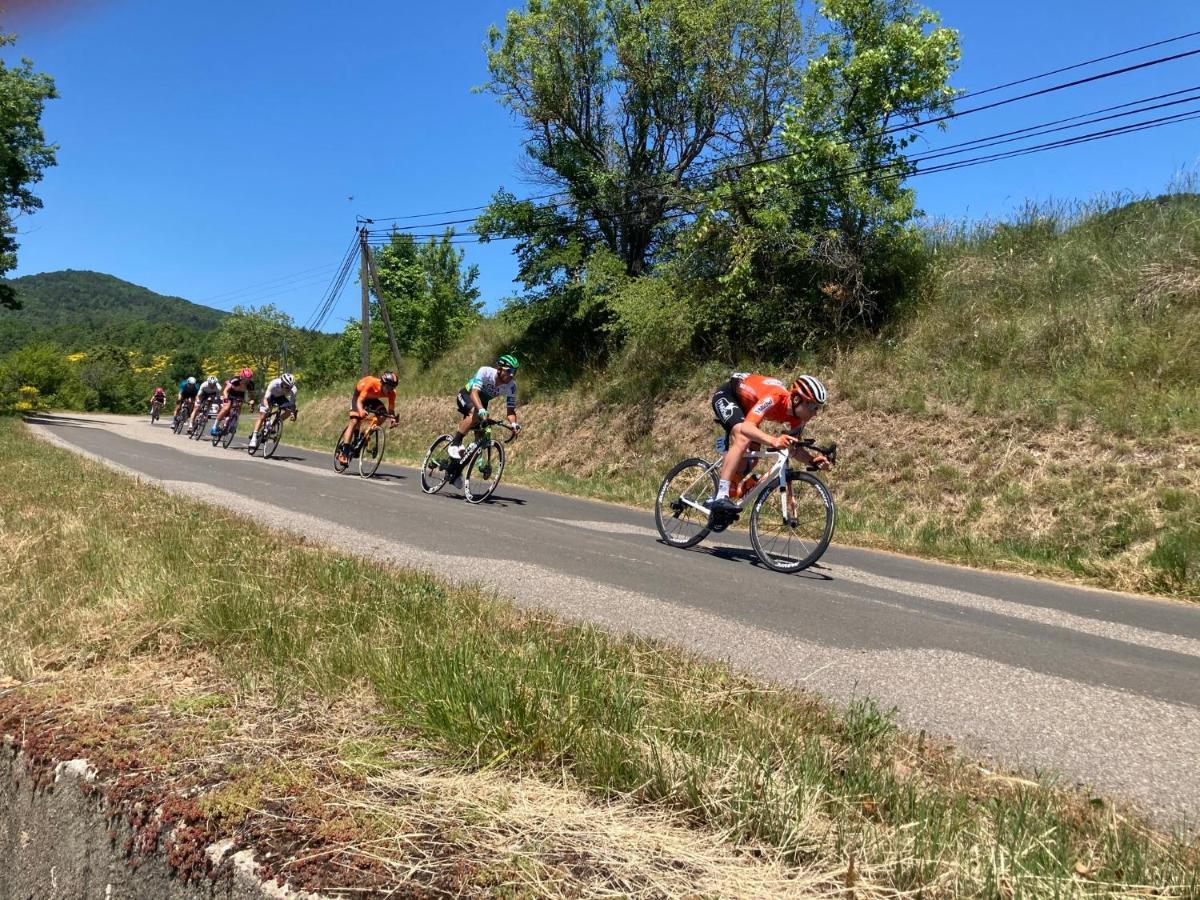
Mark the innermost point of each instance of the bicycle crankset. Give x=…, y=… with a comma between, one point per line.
x=718, y=520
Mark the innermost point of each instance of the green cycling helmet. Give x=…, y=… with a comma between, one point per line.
x=509, y=361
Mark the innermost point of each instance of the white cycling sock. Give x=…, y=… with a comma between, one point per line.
x=722, y=489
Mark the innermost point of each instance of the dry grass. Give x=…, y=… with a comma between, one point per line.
x=333, y=799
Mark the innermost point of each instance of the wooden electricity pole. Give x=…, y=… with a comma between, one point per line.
x=370, y=277
x=365, y=359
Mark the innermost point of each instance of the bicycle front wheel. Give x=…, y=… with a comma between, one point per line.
x=230, y=431
x=483, y=472
x=270, y=440
x=437, y=465
x=371, y=453
x=685, y=488
x=338, y=465
x=791, y=529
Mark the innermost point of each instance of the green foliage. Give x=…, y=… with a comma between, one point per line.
x=24, y=153
x=257, y=334
x=821, y=242
x=183, y=364
x=624, y=103
x=79, y=309
x=432, y=297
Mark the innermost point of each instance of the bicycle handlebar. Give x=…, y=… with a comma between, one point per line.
x=492, y=423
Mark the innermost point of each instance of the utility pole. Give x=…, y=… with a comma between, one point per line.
x=383, y=307
x=363, y=278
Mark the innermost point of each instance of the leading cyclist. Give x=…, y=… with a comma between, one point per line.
x=487, y=384
x=747, y=399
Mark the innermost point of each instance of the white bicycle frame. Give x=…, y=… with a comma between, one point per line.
x=778, y=467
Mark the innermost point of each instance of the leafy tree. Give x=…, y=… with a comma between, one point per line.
x=823, y=237
x=24, y=153
x=432, y=297
x=623, y=101
x=184, y=363
x=255, y=333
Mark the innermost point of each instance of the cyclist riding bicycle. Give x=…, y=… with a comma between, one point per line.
x=487, y=384
x=236, y=390
x=282, y=393
x=159, y=396
x=748, y=399
x=209, y=391
x=188, y=389
x=368, y=397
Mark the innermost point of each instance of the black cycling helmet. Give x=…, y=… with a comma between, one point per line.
x=389, y=378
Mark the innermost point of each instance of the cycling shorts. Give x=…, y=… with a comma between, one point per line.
x=371, y=405
x=464, y=403
x=271, y=400
x=726, y=408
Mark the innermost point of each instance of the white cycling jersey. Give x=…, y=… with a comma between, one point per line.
x=485, y=382
x=277, y=390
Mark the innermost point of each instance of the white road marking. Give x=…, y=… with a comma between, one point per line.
x=1130, y=634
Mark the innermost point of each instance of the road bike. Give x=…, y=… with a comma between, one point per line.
x=792, y=513
x=366, y=446
x=207, y=411
x=271, y=432
x=181, y=417
x=481, y=465
x=155, y=409
x=227, y=429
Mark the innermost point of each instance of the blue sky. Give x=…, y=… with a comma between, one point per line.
x=220, y=150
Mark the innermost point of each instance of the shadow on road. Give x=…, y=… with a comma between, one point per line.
x=54, y=419
x=815, y=572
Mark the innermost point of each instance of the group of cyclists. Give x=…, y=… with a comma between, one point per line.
x=740, y=405
x=195, y=396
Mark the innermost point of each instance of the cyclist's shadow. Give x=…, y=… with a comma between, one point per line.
x=815, y=572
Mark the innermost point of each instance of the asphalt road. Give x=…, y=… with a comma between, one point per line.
x=1101, y=688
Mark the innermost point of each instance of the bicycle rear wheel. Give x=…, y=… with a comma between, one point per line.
x=370, y=455
x=680, y=523
x=790, y=540
x=437, y=466
x=270, y=440
x=483, y=472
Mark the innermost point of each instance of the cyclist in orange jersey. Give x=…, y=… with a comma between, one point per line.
x=368, y=397
x=748, y=399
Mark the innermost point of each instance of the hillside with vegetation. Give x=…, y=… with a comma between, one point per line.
x=81, y=309
x=1032, y=405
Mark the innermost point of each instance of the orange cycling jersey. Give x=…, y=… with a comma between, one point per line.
x=371, y=388
x=765, y=398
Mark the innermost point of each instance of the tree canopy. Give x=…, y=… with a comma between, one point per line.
x=24, y=153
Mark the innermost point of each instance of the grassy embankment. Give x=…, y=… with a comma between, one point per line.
x=1036, y=408
x=108, y=627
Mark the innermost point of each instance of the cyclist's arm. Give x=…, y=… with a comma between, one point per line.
x=392, y=404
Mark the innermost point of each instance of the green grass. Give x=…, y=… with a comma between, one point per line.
x=1069, y=313
x=90, y=563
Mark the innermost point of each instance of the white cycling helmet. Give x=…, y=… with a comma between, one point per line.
x=212, y=379
x=191, y=379
x=288, y=380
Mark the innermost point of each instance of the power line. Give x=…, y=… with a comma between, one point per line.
x=334, y=291
x=272, y=281
x=911, y=167
x=899, y=127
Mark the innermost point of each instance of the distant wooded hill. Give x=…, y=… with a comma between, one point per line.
x=80, y=309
